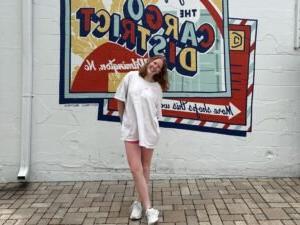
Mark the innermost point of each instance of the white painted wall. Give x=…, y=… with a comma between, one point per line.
x=70, y=144
x=10, y=88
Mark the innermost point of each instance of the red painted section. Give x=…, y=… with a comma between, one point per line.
x=239, y=67
x=97, y=81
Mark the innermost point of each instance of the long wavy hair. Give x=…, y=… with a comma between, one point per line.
x=162, y=77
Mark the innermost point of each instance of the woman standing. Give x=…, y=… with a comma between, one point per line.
x=139, y=98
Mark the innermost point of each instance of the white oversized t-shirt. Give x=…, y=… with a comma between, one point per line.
x=142, y=109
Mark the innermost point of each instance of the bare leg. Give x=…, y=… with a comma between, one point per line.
x=134, y=158
x=146, y=162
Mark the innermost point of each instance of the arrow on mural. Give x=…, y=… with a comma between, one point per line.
x=229, y=110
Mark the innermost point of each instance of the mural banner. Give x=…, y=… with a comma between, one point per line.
x=210, y=57
x=102, y=40
x=231, y=115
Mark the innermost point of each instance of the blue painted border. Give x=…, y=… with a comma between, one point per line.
x=62, y=99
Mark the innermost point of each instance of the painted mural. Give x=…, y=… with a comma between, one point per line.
x=211, y=58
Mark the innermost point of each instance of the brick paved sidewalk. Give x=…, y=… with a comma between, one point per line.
x=195, y=201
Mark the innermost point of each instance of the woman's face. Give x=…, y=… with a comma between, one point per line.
x=154, y=67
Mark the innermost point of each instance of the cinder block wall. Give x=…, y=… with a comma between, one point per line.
x=68, y=143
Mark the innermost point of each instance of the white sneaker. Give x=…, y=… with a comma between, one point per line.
x=136, y=210
x=152, y=215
